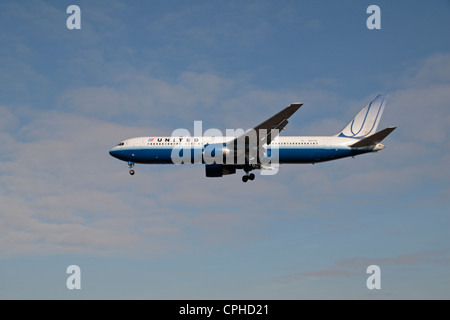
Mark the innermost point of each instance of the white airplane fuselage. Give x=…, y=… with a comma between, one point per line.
x=293, y=149
x=260, y=148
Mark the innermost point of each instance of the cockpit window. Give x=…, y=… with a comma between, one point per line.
x=120, y=144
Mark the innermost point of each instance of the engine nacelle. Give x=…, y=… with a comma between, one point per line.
x=218, y=170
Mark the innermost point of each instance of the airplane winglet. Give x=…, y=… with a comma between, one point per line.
x=373, y=139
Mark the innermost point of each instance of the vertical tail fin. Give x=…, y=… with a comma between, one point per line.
x=366, y=121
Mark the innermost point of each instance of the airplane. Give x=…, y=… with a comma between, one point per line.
x=260, y=148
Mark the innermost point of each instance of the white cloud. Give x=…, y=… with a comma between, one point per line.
x=422, y=114
x=61, y=192
x=434, y=69
x=64, y=193
x=147, y=99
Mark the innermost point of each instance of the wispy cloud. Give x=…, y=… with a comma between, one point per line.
x=58, y=164
x=61, y=192
x=357, y=266
x=147, y=68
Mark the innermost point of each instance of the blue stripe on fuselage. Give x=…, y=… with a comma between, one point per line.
x=286, y=154
x=311, y=155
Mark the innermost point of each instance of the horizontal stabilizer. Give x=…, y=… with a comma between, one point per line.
x=373, y=139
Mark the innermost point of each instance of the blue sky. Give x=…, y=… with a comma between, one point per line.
x=149, y=67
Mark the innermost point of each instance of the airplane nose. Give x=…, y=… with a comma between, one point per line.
x=114, y=152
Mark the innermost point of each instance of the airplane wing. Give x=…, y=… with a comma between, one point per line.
x=269, y=129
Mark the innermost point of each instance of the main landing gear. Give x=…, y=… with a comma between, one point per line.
x=248, y=176
x=131, y=165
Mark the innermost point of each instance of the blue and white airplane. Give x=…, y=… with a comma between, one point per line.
x=260, y=148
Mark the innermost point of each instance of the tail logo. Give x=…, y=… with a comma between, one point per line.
x=366, y=121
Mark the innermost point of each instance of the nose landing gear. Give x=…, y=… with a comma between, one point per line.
x=131, y=165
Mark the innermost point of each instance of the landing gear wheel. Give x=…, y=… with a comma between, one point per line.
x=244, y=178
x=251, y=176
x=131, y=165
